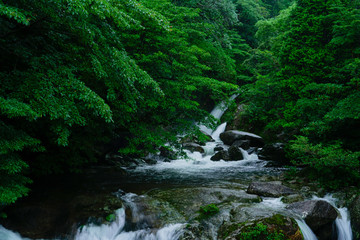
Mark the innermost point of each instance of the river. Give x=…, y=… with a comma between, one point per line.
x=161, y=201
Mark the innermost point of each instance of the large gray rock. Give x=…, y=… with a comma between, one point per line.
x=193, y=147
x=221, y=155
x=244, y=144
x=235, y=153
x=318, y=214
x=268, y=189
x=229, y=137
x=239, y=230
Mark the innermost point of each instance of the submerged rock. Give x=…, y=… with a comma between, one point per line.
x=319, y=215
x=229, y=137
x=268, y=189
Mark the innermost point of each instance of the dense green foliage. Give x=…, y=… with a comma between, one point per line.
x=76, y=74
x=306, y=83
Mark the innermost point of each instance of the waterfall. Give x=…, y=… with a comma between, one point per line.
x=342, y=222
x=6, y=234
x=217, y=112
x=117, y=230
x=216, y=134
x=306, y=230
x=343, y=225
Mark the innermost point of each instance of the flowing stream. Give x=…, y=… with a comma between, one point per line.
x=167, y=180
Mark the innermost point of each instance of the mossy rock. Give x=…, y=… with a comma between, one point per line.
x=277, y=227
x=292, y=198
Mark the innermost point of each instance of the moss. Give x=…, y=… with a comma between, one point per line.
x=260, y=231
x=277, y=219
x=110, y=217
x=207, y=211
x=277, y=227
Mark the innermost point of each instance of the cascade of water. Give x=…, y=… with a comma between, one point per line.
x=6, y=234
x=116, y=230
x=217, y=112
x=216, y=133
x=306, y=230
x=342, y=222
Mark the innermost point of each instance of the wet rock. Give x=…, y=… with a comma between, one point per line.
x=219, y=147
x=318, y=214
x=229, y=137
x=221, y=155
x=235, y=153
x=354, y=210
x=275, y=225
x=274, y=152
x=189, y=200
x=193, y=147
x=292, y=198
x=252, y=150
x=268, y=189
x=244, y=144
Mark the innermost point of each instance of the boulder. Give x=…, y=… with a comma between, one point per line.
x=274, y=152
x=244, y=144
x=235, y=153
x=229, y=137
x=193, y=147
x=319, y=215
x=221, y=155
x=268, y=189
x=219, y=147
x=252, y=150
x=277, y=227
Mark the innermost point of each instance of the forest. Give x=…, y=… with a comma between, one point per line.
x=74, y=75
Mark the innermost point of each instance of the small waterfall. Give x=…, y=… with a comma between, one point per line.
x=6, y=234
x=117, y=229
x=217, y=112
x=306, y=230
x=216, y=134
x=343, y=225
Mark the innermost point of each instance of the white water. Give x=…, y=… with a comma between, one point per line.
x=343, y=225
x=217, y=112
x=306, y=230
x=9, y=235
x=116, y=230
